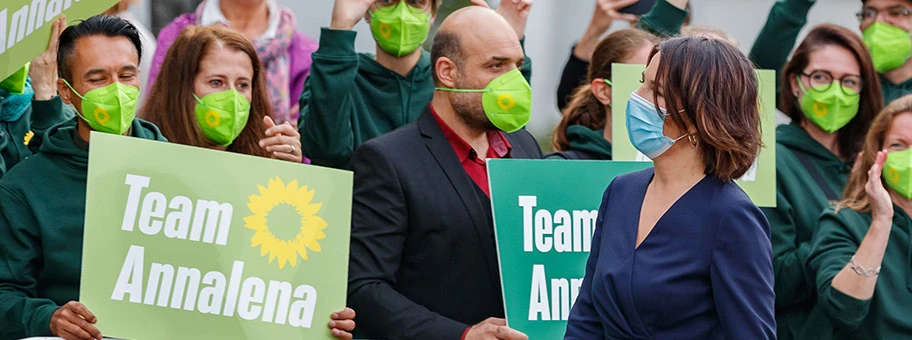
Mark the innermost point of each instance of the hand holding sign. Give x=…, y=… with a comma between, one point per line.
x=44, y=68
x=494, y=328
x=343, y=323
x=74, y=321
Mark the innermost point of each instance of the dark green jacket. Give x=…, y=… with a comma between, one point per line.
x=586, y=143
x=663, y=20
x=892, y=91
x=778, y=36
x=888, y=314
x=799, y=202
x=350, y=98
x=21, y=138
x=41, y=228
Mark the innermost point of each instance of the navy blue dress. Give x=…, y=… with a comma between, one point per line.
x=704, y=272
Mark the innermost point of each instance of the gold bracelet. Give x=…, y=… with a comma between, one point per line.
x=862, y=271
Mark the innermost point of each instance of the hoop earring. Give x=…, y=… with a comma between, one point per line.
x=693, y=140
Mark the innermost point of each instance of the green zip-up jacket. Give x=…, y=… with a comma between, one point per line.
x=586, y=143
x=349, y=98
x=41, y=228
x=22, y=137
x=887, y=315
x=799, y=203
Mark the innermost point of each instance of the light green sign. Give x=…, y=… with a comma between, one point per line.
x=543, y=223
x=759, y=183
x=25, y=27
x=190, y=243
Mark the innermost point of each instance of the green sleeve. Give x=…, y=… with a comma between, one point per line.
x=45, y=115
x=526, y=69
x=22, y=313
x=663, y=20
x=5, y=142
x=835, y=242
x=777, y=38
x=326, y=104
x=789, y=257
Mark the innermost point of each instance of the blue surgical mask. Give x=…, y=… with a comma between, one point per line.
x=645, y=127
x=13, y=106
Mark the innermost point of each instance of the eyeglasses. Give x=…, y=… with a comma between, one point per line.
x=821, y=81
x=869, y=14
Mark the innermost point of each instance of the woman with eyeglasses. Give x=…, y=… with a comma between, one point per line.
x=830, y=91
x=885, y=24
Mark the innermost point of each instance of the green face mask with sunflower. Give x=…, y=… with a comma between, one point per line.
x=897, y=172
x=832, y=109
x=109, y=109
x=507, y=100
x=222, y=115
x=400, y=29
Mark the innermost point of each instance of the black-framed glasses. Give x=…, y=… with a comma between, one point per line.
x=869, y=14
x=822, y=80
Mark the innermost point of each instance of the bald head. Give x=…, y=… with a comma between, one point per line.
x=473, y=34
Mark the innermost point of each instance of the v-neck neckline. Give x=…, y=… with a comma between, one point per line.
x=639, y=210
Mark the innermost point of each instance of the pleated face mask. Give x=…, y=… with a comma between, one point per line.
x=400, y=29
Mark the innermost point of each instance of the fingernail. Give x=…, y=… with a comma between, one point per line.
x=332, y=324
x=335, y=315
x=261, y=144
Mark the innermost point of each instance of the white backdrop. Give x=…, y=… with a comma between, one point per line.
x=555, y=25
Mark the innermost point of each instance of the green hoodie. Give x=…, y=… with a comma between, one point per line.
x=349, y=98
x=892, y=91
x=41, y=227
x=591, y=144
x=22, y=137
x=887, y=314
x=799, y=202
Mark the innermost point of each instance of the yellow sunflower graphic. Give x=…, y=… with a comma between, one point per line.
x=28, y=137
x=385, y=30
x=506, y=101
x=309, y=229
x=893, y=175
x=820, y=109
x=213, y=119
x=102, y=116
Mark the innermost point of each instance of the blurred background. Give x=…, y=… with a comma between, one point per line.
x=554, y=27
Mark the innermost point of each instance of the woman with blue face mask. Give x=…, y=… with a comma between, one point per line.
x=680, y=251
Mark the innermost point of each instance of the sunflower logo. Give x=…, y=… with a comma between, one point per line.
x=893, y=175
x=506, y=101
x=820, y=109
x=101, y=116
x=385, y=30
x=213, y=119
x=300, y=237
x=28, y=137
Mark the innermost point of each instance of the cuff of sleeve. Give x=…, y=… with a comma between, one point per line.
x=799, y=8
x=337, y=43
x=47, y=113
x=464, y=333
x=41, y=323
x=664, y=19
x=846, y=310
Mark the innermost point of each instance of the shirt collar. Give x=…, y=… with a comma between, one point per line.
x=212, y=14
x=499, y=146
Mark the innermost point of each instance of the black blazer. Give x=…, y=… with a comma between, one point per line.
x=423, y=261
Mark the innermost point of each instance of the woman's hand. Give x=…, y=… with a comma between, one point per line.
x=343, y=323
x=74, y=321
x=878, y=196
x=282, y=141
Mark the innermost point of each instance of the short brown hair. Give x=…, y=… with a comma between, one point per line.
x=850, y=136
x=855, y=197
x=170, y=105
x=584, y=108
x=715, y=88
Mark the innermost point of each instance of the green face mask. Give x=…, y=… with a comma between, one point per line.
x=507, y=100
x=889, y=45
x=223, y=115
x=831, y=109
x=15, y=83
x=897, y=172
x=400, y=29
x=109, y=109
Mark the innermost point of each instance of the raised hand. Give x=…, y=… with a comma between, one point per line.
x=74, y=321
x=878, y=196
x=347, y=13
x=43, y=70
x=515, y=11
x=608, y=10
x=282, y=141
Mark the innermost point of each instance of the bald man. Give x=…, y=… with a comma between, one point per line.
x=423, y=261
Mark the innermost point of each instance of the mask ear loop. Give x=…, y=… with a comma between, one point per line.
x=78, y=95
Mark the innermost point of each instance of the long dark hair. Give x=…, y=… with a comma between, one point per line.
x=584, y=108
x=727, y=120
x=170, y=104
x=851, y=136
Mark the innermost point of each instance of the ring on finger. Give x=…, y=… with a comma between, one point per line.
x=292, y=148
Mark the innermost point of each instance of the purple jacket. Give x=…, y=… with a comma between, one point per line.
x=301, y=49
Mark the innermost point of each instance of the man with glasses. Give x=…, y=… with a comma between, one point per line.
x=886, y=27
